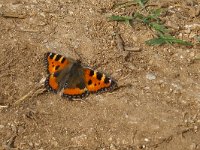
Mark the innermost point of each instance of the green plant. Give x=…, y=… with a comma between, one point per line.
x=153, y=21
x=167, y=39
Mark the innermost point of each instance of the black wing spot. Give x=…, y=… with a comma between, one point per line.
x=91, y=73
x=63, y=60
x=52, y=65
x=57, y=67
x=58, y=57
x=89, y=82
x=56, y=74
x=95, y=84
x=99, y=83
x=99, y=76
x=51, y=55
x=107, y=80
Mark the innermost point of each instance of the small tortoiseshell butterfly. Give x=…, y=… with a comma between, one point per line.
x=68, y=76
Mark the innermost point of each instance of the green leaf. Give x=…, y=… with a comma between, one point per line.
x=156, y=41
x=164, y=39
x=141, y=2
x=150, y=18
x=155, y=13
x=120, y=18
x=138, y=15
x=141, y=18
x=159, y=27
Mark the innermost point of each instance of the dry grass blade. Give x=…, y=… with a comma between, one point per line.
x=39, y=89
x=13, y=15
x=3, y=106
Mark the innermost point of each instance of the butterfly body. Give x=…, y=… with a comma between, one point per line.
x=72, y=79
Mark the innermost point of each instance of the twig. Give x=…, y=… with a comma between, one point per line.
x=119, y=41
x=13, y=15
x=3, y=106
x=168, y=139
x=122, y=86
x=39, y=89
x=133, y=49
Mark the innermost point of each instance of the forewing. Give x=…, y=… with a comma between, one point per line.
x=55, y=62
x=98, y=82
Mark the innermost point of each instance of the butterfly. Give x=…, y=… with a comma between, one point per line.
x=72, y=79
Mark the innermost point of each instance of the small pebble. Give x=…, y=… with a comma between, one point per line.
x=146, y=140
x=150, y=76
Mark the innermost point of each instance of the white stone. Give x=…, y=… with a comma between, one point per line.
x=150, y=76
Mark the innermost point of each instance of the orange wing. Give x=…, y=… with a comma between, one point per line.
x=75, y=85
x=51, y=83
x=55, y=62
x=98, y=82
x=71, y=93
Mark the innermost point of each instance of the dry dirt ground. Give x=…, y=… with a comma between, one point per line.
x=157, y=106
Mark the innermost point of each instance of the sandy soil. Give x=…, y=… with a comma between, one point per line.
x=157, y=106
